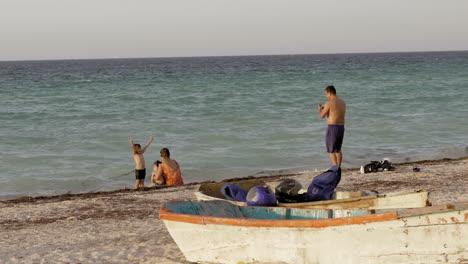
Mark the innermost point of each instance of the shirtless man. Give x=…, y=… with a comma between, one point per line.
x=140, y=168
x=335, y=110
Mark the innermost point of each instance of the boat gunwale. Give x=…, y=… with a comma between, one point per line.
x=354, y=199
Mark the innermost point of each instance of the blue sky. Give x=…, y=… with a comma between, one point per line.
x=79, y=29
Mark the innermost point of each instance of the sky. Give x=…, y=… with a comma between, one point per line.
x=82, y=29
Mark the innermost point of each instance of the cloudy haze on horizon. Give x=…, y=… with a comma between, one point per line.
x=66, y=29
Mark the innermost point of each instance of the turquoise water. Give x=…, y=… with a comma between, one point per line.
x=65, y=124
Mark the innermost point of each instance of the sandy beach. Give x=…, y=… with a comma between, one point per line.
x=123, y=227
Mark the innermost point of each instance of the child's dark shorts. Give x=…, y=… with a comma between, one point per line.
x=334, y=138
x=140, y=174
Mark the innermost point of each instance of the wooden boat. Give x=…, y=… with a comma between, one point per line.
x=221, y=232
x=211, y=191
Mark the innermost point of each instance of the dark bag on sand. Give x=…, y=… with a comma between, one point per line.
x=373, y=166
x=233, y=192
x=323, y=185
x=288, y=192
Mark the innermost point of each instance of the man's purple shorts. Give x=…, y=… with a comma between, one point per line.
x=334, y=138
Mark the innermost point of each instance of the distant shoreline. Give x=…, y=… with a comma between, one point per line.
x=87, y=195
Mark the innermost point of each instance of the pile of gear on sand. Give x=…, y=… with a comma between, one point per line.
x=378, y=166
x=320, y=188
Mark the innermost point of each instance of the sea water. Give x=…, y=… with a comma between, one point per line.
x=64, y=125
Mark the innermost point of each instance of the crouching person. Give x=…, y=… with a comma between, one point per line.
x=168, y=172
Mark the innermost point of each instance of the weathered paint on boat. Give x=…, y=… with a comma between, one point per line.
x=344, y=200
x=220, y=232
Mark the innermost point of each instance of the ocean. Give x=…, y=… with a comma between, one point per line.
x=65, y=124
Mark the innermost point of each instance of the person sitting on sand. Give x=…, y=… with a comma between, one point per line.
x=168, y=172
x=140, y=168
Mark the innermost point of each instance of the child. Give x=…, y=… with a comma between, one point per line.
x=140, y=169
x=153, y=175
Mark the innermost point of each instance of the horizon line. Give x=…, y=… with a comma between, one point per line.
x=214, y=56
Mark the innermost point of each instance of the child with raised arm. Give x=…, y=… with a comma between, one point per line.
x=140, y=168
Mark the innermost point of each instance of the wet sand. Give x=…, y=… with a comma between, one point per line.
x=122, y=226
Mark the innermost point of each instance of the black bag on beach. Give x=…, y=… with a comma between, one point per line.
x=373, y=166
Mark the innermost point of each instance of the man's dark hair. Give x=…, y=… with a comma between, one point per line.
x=330, y=89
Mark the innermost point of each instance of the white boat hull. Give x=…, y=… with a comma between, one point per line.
x=432, y=238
